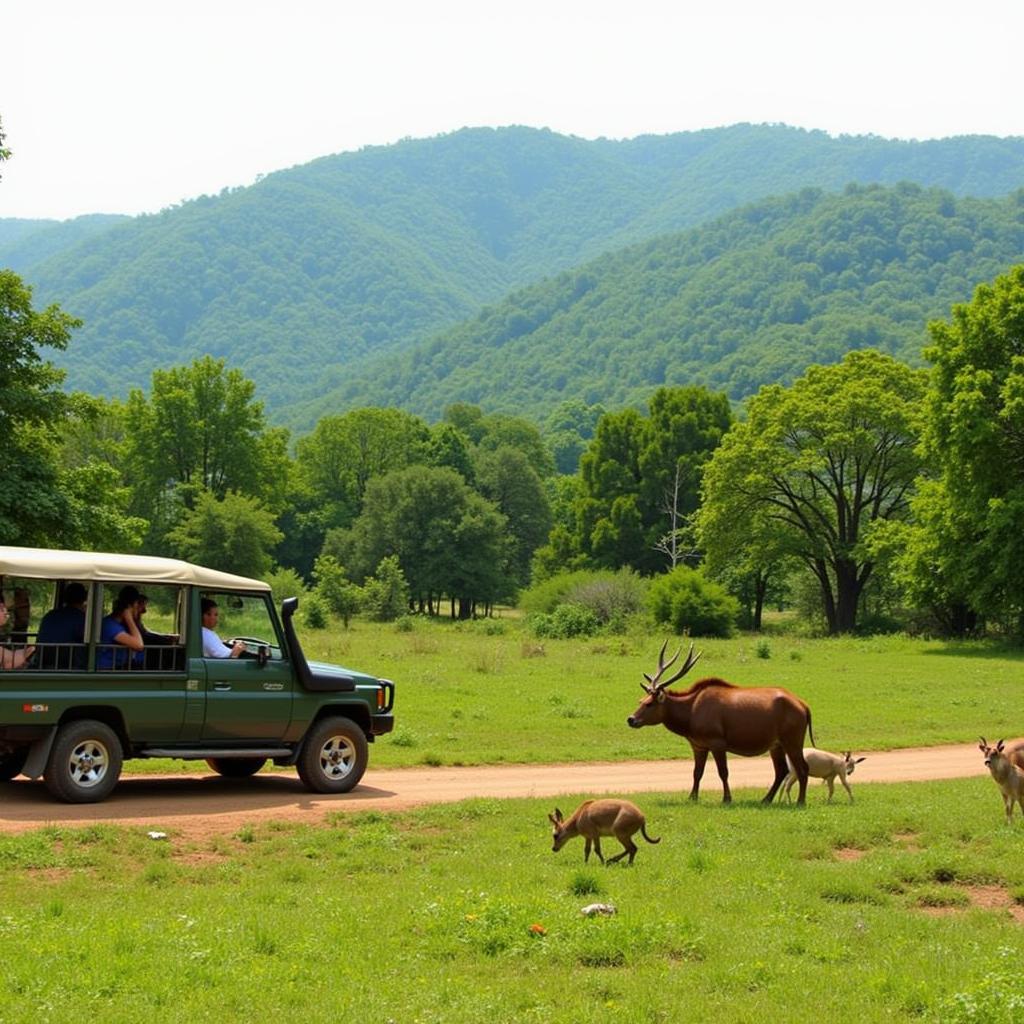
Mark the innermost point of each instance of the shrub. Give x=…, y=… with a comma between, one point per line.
x=687, y=601
x=315, y=613
x=612, y=597
x=567, y=620
x=285, y=583
x=385, y=596
x=546, y=596
x=337, y=591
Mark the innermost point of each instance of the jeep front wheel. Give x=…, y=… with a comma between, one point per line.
x=84, y=763
x=236, y=767
x=333, y=757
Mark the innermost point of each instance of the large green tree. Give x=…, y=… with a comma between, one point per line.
x=824, y=461
x=640, y=477
x=34, y=508
x=234, y=533
x=201, y=430
x=344, y=453
x=975, y=433
x=450, y=541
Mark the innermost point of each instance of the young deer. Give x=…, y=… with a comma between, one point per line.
x=596, y=818
x=1009, y=777
x=823, y=765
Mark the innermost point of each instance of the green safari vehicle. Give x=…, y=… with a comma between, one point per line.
x=72, y=710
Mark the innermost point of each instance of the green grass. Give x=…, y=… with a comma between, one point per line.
x=488, y=693
x=461, y=913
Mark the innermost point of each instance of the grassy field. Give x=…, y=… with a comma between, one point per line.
x=905, y=906
x=488, y=693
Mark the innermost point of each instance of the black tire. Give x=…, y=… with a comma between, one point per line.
x=333, y=757
x=236, y=767
x=84, y=763
x=11, y=764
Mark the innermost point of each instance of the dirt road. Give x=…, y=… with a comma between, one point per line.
x=196, y=806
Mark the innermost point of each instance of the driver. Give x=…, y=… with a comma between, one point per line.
x=213, y=646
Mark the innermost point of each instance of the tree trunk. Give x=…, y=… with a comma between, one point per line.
x=848, y=590
x=760, y=589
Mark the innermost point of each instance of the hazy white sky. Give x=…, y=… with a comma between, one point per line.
x=128, y=107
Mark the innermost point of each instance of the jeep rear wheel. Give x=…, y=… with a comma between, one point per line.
x=84, y=763
x=333, y=757
x=11, y=764
x=236, y=767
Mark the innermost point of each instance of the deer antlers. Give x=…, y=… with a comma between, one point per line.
x=655, y=686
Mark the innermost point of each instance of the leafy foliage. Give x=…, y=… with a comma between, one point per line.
x=686, y=601
x=815, y=466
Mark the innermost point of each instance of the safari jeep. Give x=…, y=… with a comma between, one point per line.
x=73, y=711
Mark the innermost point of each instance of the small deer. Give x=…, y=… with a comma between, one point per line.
x=596, y=818
x=1008, y=776
x=823, y=765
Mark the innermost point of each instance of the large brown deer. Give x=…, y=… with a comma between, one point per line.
x=719, y=718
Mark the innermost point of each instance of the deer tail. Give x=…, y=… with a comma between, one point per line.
x=643, y=832
x=809, y=729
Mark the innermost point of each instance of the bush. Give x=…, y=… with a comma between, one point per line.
x=338, y=593
x=315, y=613
x=613, y=598
x=546, y=596
x=285, y=583
x=567, y=620
x=687, y=601
x=385, y=596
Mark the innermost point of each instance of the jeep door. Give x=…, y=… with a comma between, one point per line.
x=248, y=697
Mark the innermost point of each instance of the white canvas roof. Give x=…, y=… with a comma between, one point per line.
x=47, y=564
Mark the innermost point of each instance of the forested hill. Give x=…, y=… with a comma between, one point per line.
x=26, y=243
x=751, y=298
x=294, y=278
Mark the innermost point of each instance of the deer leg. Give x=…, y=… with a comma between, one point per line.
x=831, y=780
x=597, y=848
x=628, y=847
x=842, y=779
x=586, y=854
x=781, y=771
x=700, y=759
x=723, y=773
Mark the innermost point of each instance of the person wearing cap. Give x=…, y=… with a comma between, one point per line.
x=64, y=625
x=119, y=629
x=213, y=646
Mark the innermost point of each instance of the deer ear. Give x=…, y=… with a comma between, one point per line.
x=999, y=746
x=661, y=696
x=558, y=814
x=859, y=759
x=982, y=745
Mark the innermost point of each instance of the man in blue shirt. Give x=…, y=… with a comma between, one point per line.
x=64, y=625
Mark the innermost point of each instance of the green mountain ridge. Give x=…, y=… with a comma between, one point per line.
x=750, y=299
x=315, y=272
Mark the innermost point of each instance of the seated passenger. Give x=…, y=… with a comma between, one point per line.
x=9, y=658
x=154, y=656
x=64, y=625
x=119, y=629
x=213, y=646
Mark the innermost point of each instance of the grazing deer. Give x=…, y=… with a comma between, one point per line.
x=1008, y=776
x=596, y=818
x=719, y=718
